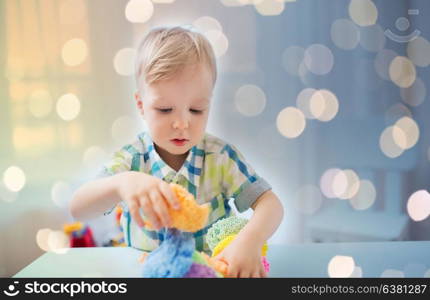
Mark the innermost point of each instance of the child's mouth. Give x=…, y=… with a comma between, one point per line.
x=179, y=142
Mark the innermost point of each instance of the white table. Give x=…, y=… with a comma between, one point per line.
x=292, y=260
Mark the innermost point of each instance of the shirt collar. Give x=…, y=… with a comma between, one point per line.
x=191, y=169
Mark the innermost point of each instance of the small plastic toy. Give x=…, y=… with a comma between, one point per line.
x=80, y=235
x=118, y=240
x=176, y=257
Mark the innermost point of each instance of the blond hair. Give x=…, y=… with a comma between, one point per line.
x=166, y=50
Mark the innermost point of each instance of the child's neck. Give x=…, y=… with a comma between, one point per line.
x=172, y=160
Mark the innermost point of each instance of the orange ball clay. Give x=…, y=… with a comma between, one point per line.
x=191, y=216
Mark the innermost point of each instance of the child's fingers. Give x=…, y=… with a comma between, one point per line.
x=232, y=274
x=219, y=264
x=244, y=274
x=135, y=214
x=160, y=207
x=232, y=271
x=146, y=205
x=167, y=193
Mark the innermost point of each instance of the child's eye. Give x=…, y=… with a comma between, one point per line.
x=196, y=111
x=164, y=110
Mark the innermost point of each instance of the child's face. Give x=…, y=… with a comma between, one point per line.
x=178, y=108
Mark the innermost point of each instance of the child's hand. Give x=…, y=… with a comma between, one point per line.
x=149, y=193
x=243, y=259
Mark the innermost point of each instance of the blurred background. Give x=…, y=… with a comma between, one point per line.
x=328, y=100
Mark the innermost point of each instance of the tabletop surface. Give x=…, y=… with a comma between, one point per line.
x=372, y=259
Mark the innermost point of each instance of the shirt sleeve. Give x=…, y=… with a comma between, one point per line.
x=120, y=162
x=240, y=181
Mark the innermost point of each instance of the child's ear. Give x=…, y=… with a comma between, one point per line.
x=139, y=102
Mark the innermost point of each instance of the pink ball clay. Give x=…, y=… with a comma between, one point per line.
x=266, y=264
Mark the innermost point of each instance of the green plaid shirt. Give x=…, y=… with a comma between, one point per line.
x=214, y=172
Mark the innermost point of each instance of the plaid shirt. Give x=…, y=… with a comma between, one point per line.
x=213, y=172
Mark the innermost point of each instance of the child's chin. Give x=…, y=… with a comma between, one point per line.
x=179, y=150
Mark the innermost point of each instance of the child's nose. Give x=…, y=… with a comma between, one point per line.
x=180, y=123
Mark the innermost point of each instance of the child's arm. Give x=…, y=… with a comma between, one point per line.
x=268, y=214
x=138, y=190
x=94, y=198
x=243, y=255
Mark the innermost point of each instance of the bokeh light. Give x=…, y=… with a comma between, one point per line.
x=340, y=184
x=341, y=266
x=291, y=122
x=346, y=184
x=303, y=74
x=382, y=62
x=74, y=52
x=387, y=144
x=326, y=182
x=365, y=196
x=372, y=38
x=353, y=184
x=14, y=178
x=68, y=107
x=317, y=104
x=402, y=71
x=42, y=237
x=139, y=11
x=415, y=94
x=58, y=242
x=308, y=199
x=52, y=240
x=303, y=102
x=357, y=273
x=345, y=34
x=406, y=133
x=206, y=23
x=418, y=51
x=292, y=57
x=324, y=105
x=363, y=12
x=269, y=7
x=250, y=100
x=124, y=61
x=318, y=59
x=218, y=41
x=399, y=137
x=418, y=205
x=40, y=103
x=396, y=112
